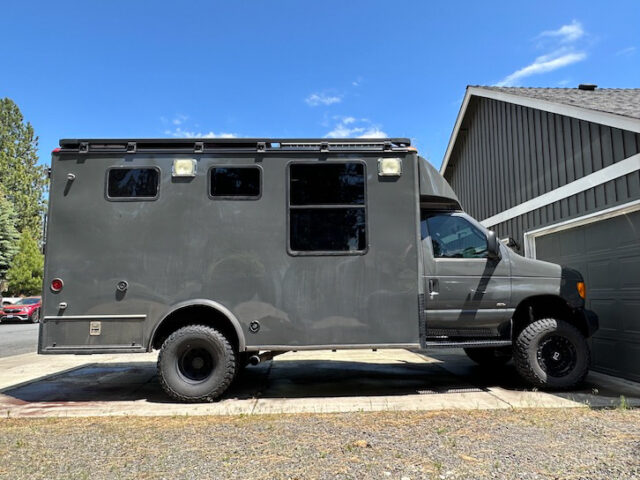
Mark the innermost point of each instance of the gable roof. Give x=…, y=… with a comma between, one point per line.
x=615, y=107
x=620, y=101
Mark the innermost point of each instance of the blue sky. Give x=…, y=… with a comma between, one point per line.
x=294, y=68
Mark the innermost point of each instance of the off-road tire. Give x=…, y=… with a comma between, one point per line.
x=203, y=345
x=489, y=356
x=529, y=349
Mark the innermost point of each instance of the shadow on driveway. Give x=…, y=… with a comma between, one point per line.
x=117, y=382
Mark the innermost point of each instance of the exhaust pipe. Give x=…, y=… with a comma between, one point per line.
x=254, y=359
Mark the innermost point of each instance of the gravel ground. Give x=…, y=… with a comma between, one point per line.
x=519, y=444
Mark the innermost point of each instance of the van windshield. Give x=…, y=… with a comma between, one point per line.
x=27, y=301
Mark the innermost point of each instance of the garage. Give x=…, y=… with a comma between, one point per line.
x=555, y=172
x=607, y=253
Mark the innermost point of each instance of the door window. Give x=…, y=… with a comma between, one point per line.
x=454, y=236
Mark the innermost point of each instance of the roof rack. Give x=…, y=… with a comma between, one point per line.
x=217, y=145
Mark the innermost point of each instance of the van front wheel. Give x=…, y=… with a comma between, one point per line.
x=552, y=353
x=196, y=364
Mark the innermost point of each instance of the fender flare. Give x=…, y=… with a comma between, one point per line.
x=202, y=302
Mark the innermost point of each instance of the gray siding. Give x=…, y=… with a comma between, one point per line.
x=518, y=153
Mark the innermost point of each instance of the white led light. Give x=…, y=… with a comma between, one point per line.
x=184, y=167
x=389, y=167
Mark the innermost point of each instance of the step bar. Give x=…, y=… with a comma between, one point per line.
x=466, y=343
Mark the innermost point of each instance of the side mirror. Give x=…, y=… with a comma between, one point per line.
x=493, y=246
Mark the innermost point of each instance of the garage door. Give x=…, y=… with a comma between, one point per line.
x=607, y=253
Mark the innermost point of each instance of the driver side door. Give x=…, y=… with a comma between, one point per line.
x=468, y=293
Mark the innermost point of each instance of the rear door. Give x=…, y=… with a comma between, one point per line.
x=468, y=294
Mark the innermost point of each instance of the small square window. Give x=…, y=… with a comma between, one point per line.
x=133, y=183
x=235, y=182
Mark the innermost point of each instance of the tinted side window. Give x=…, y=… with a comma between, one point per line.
x=455, y=237
x=340, y=229
x=132, y=183
x=235, y=182
x=327, y=207
x=327, y=183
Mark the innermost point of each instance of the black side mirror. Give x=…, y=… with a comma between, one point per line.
x=493, y=247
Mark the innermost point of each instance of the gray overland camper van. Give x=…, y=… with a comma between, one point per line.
x=221, y=253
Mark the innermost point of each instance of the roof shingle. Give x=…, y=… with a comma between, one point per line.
x=619, y=101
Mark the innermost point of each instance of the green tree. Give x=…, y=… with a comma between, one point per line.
x=21, y=179
x=9, y=236
x=25, y=274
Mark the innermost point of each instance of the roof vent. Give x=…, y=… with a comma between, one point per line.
x=587, y=86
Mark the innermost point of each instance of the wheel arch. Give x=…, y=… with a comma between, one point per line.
x=541, y=306
x=198, y=312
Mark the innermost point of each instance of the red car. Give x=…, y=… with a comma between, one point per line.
x=25, y=309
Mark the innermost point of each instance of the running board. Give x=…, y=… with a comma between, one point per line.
x=467, y=343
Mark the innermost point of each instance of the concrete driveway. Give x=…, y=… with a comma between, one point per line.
x=320, y=381
x=18, y=337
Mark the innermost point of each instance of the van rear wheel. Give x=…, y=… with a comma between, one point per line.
x=552, y=353
x=489, y=356
x=196, y=364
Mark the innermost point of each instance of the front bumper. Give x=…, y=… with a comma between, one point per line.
x=588, y=319
x=14, y=316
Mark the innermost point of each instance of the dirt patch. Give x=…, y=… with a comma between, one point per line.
x=523, y=444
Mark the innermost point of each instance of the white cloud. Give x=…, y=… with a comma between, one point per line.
x=320, y=98
x=626, y=51
x=543, y=64
x=562, y=53
x=566, y=33
x=348, y=127
x=179, y=132
x=179, y=119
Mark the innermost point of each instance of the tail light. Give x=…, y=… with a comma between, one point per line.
x=56, y=285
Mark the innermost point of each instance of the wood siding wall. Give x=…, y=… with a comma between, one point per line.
x=507, y=154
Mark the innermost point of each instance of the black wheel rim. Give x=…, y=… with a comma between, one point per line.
x=557, y=355
x=196, y=364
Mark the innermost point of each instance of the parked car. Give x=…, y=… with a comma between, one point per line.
x=25, y=309
x=9, y=300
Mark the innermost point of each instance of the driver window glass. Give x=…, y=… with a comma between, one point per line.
x=455, y=237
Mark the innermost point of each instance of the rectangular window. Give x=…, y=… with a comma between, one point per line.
x=453, y=236
x=327, y=207
x=133, y=183
x=328, y=184
x=235, y=182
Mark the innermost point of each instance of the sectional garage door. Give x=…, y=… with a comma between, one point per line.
x=607, y=253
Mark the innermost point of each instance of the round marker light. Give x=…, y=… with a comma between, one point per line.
x=56, y=285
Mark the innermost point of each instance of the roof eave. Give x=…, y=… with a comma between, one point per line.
x=581, y=113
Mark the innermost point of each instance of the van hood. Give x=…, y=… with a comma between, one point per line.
x=529, y=267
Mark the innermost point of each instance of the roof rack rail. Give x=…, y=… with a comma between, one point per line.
x=209, y=145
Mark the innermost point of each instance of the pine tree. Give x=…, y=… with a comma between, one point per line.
x=25, y=274
x=9, y=236
x=22, y=180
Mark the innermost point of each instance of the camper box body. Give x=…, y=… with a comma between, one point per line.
x=127, y=264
